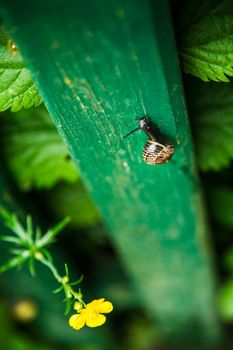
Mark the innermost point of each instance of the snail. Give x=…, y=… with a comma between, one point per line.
x=156, y=151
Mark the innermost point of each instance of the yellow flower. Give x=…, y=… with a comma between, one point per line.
x=91, y=315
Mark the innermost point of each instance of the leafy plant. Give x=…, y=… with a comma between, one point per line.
x=205, y=39
x=17, y=89
x=33, y=150
x=211, y=110
x=30, y=243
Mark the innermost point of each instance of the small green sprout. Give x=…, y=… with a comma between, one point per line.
x=31, y=246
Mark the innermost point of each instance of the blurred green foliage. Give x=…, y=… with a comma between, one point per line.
x=211, y=109
x=84, y=238
x=34, y=152
x=204, y=35
x=12, y=340
x=226, y=301
x=72, y=200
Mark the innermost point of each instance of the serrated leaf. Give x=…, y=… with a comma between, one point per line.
x=211, y=109
x=17, y=89
x=33, y=150
x=205, y=39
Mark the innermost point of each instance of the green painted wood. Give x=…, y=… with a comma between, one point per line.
x=98, y=65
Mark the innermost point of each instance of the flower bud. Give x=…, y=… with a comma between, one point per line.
x=78, y=306
x=65, y=280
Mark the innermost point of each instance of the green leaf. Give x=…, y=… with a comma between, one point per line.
x=50, y=235
x=58, y=290
x=211, y=109
x=205, y=39
x=17, y=90
x=11, y=221
x=31, y=265
x=67, y=270
x=11, y=239
x=33, y=150
x=29, y=228
x=38, y=233
x=77, y=282
x=226, y=301
x=17, y=261
x=47, y=254
x=7, y=217
x=68, y=305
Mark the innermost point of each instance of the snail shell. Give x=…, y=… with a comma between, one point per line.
x=155, y=153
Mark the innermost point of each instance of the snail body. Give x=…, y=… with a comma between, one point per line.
x=155, y=151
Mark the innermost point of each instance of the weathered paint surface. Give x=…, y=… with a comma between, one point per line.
x=98, y=65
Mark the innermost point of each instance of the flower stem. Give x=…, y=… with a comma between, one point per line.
x=52, y=269
x=69, y=291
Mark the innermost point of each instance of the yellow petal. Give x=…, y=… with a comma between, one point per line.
x=95, y=303
x=105, y=307
x=76, y=321
x=95, y=320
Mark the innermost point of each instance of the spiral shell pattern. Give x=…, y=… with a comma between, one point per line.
x=155, y=153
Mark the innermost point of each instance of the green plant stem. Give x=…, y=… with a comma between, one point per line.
x=64, y=281
x=52, y=269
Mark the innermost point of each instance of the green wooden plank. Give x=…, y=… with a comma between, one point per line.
x=98, y=65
